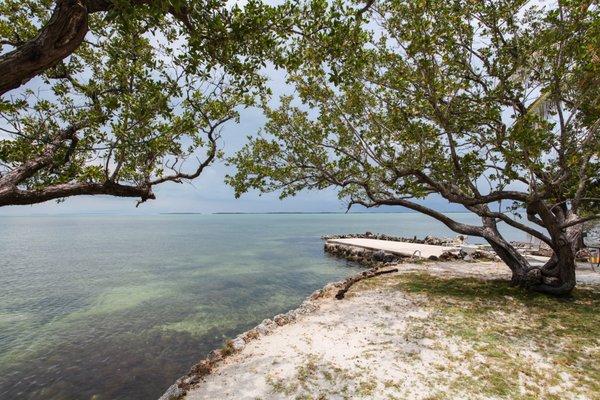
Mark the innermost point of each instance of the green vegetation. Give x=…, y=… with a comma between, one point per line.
x=491, y=105
x=316, y=379
x=507, y=336
x=128, y=95
x=456, y=337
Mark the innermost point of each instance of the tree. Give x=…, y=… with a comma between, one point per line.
x=125, y=92
x=492, y=105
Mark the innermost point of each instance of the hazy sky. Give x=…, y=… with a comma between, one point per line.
x=207, y=194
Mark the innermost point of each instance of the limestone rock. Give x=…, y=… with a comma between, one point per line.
x=379, y=255
x=174, y=392
x=238, y=344
x=250, y=335
x=316, y=294
x=215, y=355
x=281, y=319
x=266, y=327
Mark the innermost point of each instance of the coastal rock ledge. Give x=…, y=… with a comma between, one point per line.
x=379, y=263
x=204, y=367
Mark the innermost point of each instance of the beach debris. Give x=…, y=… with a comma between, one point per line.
x=357, y=278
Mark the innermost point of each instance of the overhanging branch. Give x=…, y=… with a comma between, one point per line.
x=58, y=38
x=59, y=191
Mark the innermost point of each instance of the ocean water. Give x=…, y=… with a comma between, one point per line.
x=118, y=307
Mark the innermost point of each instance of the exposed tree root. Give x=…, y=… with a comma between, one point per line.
x=357, y=278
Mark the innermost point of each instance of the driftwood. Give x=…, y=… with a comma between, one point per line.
x=365, y=275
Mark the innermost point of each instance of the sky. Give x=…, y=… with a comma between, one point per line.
x=209, y=193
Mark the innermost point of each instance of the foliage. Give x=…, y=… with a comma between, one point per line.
x=492, y=105
x=147, y=89
x=450, y=89
x=439, y=97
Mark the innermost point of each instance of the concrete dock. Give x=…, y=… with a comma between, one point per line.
x=403, y=249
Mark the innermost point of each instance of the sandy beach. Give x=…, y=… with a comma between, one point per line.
x=412, y=334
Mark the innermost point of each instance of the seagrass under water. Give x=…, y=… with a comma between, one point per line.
x=118, y=307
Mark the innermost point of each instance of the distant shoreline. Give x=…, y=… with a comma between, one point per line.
x=111, y=214
x=327, y=212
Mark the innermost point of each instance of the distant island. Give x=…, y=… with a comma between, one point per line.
x=180, y=213
x=309, y=212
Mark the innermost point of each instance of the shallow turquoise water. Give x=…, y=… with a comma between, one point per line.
x=118, y=307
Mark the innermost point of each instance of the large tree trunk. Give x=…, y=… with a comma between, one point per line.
x=63, y=33
x=561, y=266
x=556, y=277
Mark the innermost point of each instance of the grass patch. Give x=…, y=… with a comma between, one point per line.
x=317, y=379
x=506, y=328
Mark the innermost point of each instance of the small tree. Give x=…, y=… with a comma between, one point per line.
x=492, y=105
x=125, y=91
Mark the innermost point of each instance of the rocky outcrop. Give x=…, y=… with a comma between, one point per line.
x=362, y=256
x=237, y=344
x=433, y=240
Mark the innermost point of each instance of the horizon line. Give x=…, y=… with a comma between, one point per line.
x=109, y=213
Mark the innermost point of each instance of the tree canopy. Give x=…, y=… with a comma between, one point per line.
x=115, y=97
x=494, y=105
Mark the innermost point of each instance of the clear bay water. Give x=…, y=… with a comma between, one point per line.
x=118, y=307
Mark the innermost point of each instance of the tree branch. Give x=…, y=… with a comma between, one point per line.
x=365, y=8
x=580, y=221
x=30, y=167
x=456, y=226
x=63, y=33
x=60, y=37
x=59, y=191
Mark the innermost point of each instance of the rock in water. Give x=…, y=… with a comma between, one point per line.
x=379, y=255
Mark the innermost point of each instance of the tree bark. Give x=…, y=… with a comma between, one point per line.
x=16, y=196
x=63, y=33
x=60, y=37
x=556, y=277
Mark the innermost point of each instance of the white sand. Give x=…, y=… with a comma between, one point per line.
x=355, y=348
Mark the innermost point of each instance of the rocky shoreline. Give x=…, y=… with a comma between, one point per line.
x=377, y=261
x=408, y=335
x=379, y=258
x=484, y=252
x=204, y=367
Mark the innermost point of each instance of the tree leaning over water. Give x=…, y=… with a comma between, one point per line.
x=114, y=97
x=491, y=105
